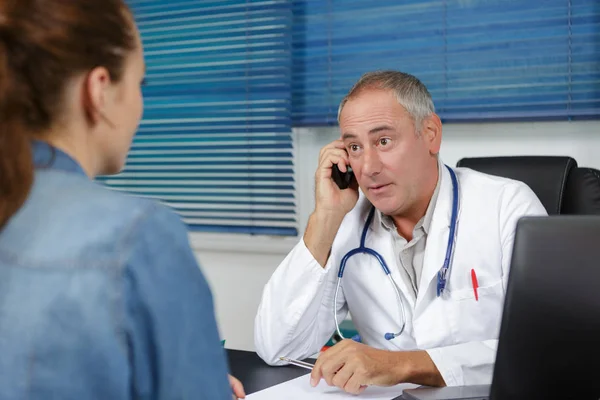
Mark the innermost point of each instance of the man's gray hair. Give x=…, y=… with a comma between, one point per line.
x=410, y=92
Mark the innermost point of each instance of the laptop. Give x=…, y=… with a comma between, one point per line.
x=549, y=342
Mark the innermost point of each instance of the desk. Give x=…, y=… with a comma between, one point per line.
x=252, y=371
x=255, y=375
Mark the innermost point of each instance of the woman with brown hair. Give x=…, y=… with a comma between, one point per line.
x=101, y=296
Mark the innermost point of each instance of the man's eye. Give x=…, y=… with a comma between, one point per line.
x=354, y=147
x=384, y=141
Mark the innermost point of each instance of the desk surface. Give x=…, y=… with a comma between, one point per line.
x=255, y=375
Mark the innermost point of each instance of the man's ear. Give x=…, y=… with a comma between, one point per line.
x=432, y=133
x=95, y=88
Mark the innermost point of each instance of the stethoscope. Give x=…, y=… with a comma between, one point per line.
x=442, y=273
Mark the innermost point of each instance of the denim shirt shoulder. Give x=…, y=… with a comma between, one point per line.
x=102, y=286
x=69, y=218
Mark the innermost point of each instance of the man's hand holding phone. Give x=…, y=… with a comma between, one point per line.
x=329, y=197
x=331, y=202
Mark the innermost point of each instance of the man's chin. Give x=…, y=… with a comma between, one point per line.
x=387, y=206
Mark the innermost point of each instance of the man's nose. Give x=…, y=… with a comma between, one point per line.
x=371, y=162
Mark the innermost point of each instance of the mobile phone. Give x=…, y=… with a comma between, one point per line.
x=342, y=179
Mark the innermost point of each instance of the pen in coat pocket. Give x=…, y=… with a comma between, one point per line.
x=475, y=284
x=297, y=363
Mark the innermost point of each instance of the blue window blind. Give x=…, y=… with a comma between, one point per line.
x=215, y=141
x=480, y=59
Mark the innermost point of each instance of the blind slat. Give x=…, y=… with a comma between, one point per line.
x=215, y=142
x=489, y=59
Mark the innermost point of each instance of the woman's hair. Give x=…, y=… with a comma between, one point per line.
x=43, y=45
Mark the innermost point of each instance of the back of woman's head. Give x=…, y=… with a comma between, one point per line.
x=44, y=44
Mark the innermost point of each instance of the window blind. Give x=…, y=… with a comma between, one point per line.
x=215, y=141
x=480, y=59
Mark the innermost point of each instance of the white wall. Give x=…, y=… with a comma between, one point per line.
x=238, y=271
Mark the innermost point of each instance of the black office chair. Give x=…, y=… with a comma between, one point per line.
x=561, y=186
x=582, y=192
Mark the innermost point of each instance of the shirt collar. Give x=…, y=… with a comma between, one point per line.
x=46, y=156
x=425, y=222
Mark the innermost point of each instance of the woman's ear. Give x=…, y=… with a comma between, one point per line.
x=95, y=92
x=432, y=133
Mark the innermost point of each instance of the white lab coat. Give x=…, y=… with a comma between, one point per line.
x=295, y=316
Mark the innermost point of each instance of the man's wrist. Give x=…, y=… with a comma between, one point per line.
x=320, y=232
x=417, y=367
x=327, y=217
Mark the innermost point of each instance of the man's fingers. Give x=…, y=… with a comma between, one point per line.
x=330, y=362
x=326, y=366
x=332, y=366
x=341, y=377
x=334, y=156
x=354, y=385
x=315, y=375
x=336, y=144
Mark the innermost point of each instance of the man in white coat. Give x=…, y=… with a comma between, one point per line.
x=417, y=327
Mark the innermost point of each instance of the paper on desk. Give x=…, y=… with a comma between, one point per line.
x=300, y=389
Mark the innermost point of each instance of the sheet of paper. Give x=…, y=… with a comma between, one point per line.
x=300, y=389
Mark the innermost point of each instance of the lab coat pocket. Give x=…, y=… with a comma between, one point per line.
x=475, y=320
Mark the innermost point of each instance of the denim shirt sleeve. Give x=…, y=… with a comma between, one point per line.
x=173, y=340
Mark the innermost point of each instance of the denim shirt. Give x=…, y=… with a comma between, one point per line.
x=101, y=296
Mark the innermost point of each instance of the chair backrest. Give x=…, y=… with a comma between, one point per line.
x=546, y=175
x=582, y=194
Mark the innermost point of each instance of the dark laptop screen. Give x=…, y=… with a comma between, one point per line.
x=549, y=343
